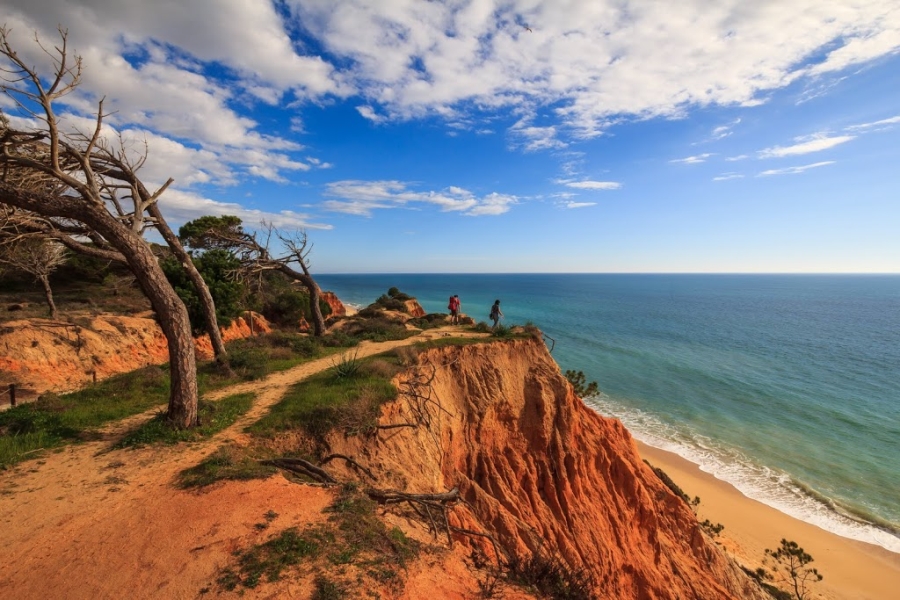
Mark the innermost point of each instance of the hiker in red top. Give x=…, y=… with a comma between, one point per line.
x=453, y=307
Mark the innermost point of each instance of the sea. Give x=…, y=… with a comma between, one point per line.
x=785, y=386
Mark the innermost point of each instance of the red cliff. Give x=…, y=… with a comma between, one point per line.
x=542, y=472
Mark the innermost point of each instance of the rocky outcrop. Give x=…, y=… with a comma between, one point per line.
x=44, y=355
x=337, y=307
x=413, y=308
x=543, y=473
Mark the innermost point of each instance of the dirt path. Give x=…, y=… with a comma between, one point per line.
x=90, y=522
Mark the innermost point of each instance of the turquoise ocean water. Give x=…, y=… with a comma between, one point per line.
x=786, y=386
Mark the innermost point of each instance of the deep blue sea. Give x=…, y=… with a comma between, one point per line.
x=786, y=386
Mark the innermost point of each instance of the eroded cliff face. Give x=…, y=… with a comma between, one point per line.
x=41, y=355
x=540, y=471
x=337, y=307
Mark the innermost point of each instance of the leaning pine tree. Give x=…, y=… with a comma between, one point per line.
x=82, y=186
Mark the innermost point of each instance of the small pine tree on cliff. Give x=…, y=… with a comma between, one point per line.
x=578, y=381
x=790, y=569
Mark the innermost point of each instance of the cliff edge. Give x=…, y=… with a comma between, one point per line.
x=544, y=474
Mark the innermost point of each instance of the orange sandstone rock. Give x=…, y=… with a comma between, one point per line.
x=43, y=355
x=337, y=307
x=542, y=472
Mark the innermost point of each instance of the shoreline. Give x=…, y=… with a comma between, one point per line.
x=852, y=570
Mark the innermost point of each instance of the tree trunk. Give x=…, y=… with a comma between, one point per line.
x=48, y=292
x=313, y=288
x=318, y=319
x=314, y=291
x=206, y=299
x=170, y=310
x=174, y=321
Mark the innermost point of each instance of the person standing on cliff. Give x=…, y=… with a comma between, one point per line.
x=453, y=307
x=496, y=314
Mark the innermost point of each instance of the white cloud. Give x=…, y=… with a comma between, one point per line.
x=180, y=207
x=532, y=138
x=579, y=204
x=796, y=170
x=692, y=160
x=364, y=197
x=585, y=64
x=728, y=176
x=369, y=113
x=737, y=158
x=723, y=131
x=875, y=125
x=592, y=185
x=806, y=145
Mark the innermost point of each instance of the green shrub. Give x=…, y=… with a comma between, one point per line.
x=398, y=295
x=501, y=331
x=299, y=344
x=664, y=477
x=216, y=267
x=578, y=381
x=347, y=365
x=249, y=362
x=552, y=578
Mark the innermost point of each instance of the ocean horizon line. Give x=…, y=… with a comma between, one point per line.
x=714, y=273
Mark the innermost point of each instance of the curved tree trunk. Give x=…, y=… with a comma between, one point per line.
x=48, y=292
x=170, y=310
x=314, y=293
x=174, y=321
x=206, y=299
x=318, y=319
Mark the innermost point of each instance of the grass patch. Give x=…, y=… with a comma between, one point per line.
x=354, y=539
x=326, y=589
x=269, y=559
x=214, y=417
x=502, y=331
x=376, y=328
x=333, y=399
x=226, y=463
x=53, y=421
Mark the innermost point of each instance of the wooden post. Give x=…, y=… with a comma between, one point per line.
x=12, y=394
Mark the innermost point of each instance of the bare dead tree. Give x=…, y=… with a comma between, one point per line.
x=38, y=257
x=84, y=195
x=123, y=168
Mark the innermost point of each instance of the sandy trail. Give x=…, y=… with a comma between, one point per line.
x=90, y=522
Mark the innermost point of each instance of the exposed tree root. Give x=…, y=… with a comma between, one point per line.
x=302, y=467
x=349, y=461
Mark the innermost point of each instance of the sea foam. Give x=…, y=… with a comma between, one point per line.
x=763, y=484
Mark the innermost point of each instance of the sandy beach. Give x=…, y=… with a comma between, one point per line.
x=852, y=570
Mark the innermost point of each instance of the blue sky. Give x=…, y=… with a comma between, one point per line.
x=515, y=136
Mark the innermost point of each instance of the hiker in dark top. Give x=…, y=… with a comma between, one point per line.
x=496, y=314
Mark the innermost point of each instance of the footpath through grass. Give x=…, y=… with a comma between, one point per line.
x=214, y=417
x=56, y=420
x=348, y=396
